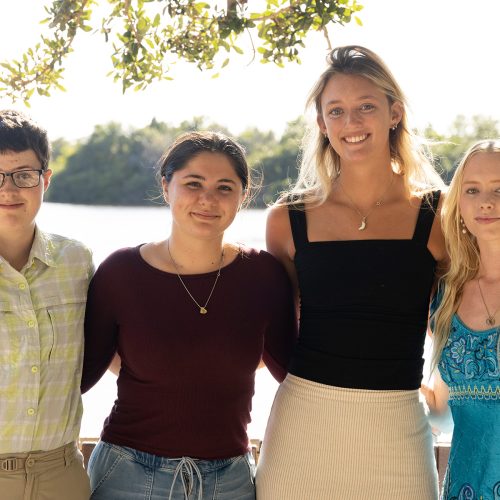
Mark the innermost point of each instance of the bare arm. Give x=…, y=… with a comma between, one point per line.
x=279, y=242
x=437, y=401
x=115, y=365
x=436, y=243
x=436, y=397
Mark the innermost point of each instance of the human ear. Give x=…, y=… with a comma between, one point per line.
x=164, y=188
x=244, y=196
x=396, y=113
x=46, y=179
x=321, y=124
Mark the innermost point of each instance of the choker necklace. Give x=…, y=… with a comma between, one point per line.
x=490, y=320
x=379, y=202
x=203, y=309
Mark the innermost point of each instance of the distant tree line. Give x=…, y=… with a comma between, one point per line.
x=114, y=166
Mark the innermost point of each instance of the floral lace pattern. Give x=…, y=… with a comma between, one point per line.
x=467, y=493
x=469, y=365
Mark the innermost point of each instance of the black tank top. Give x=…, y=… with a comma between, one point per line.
x=364, y=306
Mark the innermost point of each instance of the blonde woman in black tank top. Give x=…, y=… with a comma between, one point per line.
x=359, y=237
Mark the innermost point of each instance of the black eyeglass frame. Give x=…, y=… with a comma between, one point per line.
x=12, y=175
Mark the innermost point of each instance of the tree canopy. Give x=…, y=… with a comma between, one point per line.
x=448, y=149
x=117, y=167
x=149, y=36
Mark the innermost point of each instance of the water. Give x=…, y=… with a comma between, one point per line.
x=105, y=229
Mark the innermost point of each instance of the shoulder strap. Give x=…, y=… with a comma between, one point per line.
x=426, y=214
x=298, y=223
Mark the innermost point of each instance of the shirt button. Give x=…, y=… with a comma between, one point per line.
x=31, y=323
x=22, y=286
x=31, y=412
x=34, y=369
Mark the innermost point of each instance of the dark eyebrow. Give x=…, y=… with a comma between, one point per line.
x=200, y=177
x=195, y=176
x=26, y=167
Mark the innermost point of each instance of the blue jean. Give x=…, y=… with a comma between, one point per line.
x=122, y=473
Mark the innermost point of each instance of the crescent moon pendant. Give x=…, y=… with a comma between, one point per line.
x=363, y=225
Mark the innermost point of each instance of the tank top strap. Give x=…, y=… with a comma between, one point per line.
x=428, y=209
x=298, y=223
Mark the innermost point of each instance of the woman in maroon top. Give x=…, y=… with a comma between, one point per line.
x=191, y=318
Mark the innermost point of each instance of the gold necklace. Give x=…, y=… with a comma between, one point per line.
x=379, y=202
x=203, y=309
x=490, y=320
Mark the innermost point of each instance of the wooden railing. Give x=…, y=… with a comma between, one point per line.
x=441, y=453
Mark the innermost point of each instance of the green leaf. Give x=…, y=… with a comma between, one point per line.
x=142, y=25
x=145, y=33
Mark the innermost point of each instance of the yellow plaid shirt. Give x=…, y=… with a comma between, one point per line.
x=42, y=310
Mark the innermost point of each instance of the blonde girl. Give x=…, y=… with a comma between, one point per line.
x=466, y=327
x=360, y=240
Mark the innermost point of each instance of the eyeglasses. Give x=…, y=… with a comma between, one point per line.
x=23, y=178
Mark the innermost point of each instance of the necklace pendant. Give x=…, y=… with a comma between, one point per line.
x=490, y=320
x=203, y=310
x=363, y=224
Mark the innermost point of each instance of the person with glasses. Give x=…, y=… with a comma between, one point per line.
x=43, y=286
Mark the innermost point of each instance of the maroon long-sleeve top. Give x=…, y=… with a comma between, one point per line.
x=186, y=382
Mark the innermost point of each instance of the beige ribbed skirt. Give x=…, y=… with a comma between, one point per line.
x=331, y=443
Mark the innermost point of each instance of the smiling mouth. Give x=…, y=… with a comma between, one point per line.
x=355, y=138
x=205, y=216
x=10, y=205
x=487, y=220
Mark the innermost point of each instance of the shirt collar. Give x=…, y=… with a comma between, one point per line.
x=42, y=249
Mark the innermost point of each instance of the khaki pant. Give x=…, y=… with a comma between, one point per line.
x=44, y=475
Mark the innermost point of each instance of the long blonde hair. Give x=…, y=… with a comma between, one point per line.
x=320, y=164
x=462, y=249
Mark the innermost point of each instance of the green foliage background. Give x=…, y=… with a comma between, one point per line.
x=117, y=167
x=149, y=36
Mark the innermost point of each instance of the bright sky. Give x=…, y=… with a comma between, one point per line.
x=444, y=54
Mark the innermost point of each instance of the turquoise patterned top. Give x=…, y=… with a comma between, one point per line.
x=469, y=366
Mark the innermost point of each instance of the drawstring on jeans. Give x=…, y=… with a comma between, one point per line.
x=187, y=466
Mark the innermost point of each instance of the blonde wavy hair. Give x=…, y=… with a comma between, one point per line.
x=320, y=164
x=462, y=249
